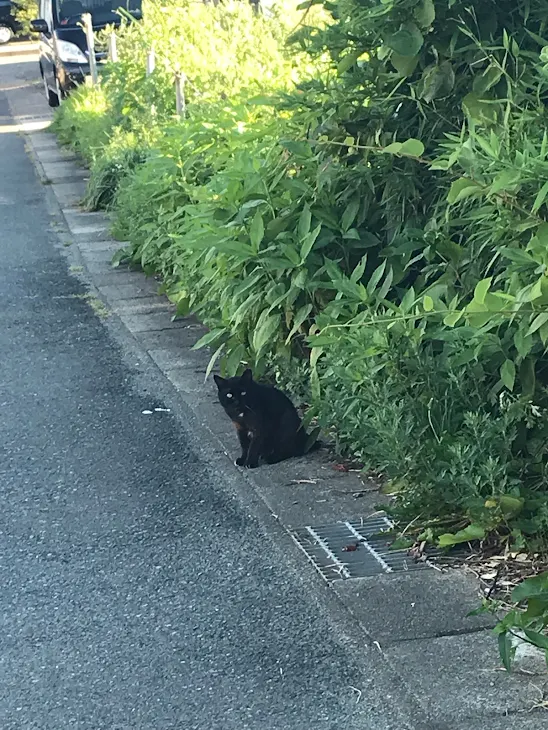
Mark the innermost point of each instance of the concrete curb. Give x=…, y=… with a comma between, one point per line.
x=447, y=662
x=12, y=50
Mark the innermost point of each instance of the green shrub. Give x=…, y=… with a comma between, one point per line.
x=26, y=11
x=525, y=622
x=368, y=224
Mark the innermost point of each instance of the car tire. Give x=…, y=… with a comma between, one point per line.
x=51, y=96
x=6, y=34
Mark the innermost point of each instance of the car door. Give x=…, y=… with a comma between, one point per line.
x=47, y=50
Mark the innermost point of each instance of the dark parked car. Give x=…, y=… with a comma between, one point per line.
x=9, y=25
x=64, y=57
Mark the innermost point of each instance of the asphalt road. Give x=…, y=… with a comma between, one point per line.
x=135, y=589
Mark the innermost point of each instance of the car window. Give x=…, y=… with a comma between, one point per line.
x=69, y=12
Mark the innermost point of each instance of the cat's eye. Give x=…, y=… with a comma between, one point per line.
x=243, y=392
x=229, y=395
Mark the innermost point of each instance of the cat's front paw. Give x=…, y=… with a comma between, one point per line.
x=252, y=465
x=240, y=461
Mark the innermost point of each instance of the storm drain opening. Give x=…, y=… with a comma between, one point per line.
x=354, y=549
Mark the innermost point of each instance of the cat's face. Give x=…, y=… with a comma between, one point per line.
x=233, y=391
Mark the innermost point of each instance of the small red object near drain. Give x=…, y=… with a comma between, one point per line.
x=351, y=548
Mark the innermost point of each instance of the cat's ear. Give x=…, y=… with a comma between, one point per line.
x=247, y=376
x=219, y=381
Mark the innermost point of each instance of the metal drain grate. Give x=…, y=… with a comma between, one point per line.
x=354, y=549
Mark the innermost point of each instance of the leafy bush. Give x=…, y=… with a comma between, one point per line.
x=26, y=11
x=525, y=622
x=368, y=222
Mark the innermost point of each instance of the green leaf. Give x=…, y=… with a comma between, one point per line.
x=407, y=41
x=304, y=222
x=537, y=323
x=315, y=355
x=315, y=387
x=404, y=65
x=291, y=255
x=472, y=532
x=394, y=486
x=504, y=181
x=490, y=77
x=276, y=226
x=527, y=377
x=122, y=255
x=348, y=61
x=297, y=147
x=535, y=608
x=412, y=148
x=518, y=256
x=536, y=587
x=540, y=198
x=183, y=306
x=437, y=81
x=309, y=242
x=300, y=317
x=510, y=505
x=543, y=333
x=451, y=319
x=324, y=339
x=408, y=300
x=481, y=289
x=425, y=13
x=508, y=374
x=213, y=359
x=387, y=283
x=265, y=329
x=536, y=638
x=479, y=110
x=376, y=277
x=523, y=343
x=233, y=361
x=506, y=650
x=252, y=204
x=427, y=303
x=393, y=148
x=209, y=338
x=461, y=189
x=350, y=213
x=359, y=269
x=536, y=290
x=256, y=231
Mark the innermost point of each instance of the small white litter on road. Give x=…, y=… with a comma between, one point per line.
x=147, y=413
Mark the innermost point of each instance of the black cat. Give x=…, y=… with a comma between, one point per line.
x=266, y=421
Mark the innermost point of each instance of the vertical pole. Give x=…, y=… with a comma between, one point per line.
x=151, y=62
x=88, y=27
x=112, y=48
x=180, y=101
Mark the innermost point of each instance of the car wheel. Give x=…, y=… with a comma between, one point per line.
x=6, y=34
x=51, y=96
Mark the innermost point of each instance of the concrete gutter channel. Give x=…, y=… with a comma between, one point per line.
x=447, y=662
